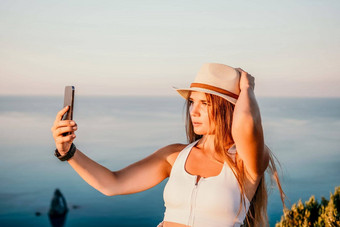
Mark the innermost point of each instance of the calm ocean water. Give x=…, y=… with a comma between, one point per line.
x=304, y=134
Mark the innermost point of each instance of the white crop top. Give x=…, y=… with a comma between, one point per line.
x=213, y=201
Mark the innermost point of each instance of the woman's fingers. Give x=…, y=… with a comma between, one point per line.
x=58, y=118
x=61, y=113
x=61, y=130
x=64, y=123
x=61, y=124
x=240, y=70
x=65, y=139
x=246, y=80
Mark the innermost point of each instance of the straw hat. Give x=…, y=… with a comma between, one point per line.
x=216, y=79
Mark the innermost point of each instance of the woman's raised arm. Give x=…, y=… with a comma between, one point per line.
x=247, y=129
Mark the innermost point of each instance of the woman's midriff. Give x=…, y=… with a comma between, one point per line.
x=173, y=224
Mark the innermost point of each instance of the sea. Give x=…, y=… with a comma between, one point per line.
x=116, y=131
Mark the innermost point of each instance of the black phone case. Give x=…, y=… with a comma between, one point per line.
x=69, y=101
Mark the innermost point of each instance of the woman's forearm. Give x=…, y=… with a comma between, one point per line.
x=247, y=125
x=247, y=108
x=248, y=133
x=93, y=173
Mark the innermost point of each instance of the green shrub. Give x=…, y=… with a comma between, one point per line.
x=312, y=213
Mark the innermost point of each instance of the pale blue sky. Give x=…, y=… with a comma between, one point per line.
x=144, y=47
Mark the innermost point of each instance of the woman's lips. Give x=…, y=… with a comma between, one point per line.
x=196, y=123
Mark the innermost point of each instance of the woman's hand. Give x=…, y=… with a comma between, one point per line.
x=246, y=80
x=63, y=143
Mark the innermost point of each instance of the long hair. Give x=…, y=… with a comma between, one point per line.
x=221, y=113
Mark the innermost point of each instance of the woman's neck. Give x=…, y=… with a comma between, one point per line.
x=206, y=143
x=207, y=146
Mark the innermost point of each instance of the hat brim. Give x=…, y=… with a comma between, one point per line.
x=184, y=92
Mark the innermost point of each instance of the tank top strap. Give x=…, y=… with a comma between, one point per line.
x=232, y=152
x=232, y=149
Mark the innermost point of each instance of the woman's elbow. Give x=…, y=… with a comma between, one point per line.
x=108, y=186
x=263, y=165
x=265, y=161
x=107, y=192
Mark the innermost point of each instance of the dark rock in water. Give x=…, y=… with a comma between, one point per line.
x=58, y=209
x=75, y=207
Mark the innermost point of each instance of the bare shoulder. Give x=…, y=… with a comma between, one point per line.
x=170, y=152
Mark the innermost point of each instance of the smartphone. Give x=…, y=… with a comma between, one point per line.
x=69, y=101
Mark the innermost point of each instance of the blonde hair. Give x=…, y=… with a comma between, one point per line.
x=221, y=113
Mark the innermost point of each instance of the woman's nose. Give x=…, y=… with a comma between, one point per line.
x=194, y=110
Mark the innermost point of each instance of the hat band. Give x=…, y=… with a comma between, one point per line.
x=213, y=88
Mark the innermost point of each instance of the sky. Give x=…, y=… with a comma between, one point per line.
x=292, y=48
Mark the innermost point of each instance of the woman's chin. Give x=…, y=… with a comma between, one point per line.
x=203, y=133
x=199, y=132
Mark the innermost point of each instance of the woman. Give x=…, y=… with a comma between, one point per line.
x=216, y=180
